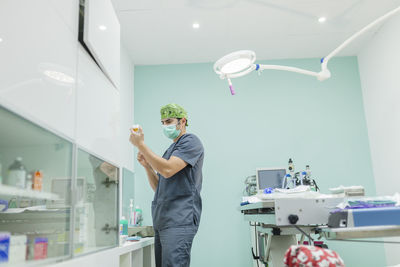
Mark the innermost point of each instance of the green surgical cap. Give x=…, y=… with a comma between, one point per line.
x=173, y=111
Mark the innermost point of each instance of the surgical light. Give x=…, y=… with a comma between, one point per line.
x=242, y=62
x=235, y=65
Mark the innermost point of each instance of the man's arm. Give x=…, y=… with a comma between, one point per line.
x=152, y=177
x=151, y=174
x=167, y=168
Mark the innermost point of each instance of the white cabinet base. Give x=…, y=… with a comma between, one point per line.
x=129, y=255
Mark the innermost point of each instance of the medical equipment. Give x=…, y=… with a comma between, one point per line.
x=241, y=63
x=278, y=221
x=289, y=204
x=352, y=191
x=288, y=182
x=269, y=177
x=365, y=217
x=293, y=179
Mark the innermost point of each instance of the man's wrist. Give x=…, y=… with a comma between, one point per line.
x=149, y=168
x=141, y=146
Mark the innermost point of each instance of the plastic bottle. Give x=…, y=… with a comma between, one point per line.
x=139, y=216
x=37, y=181
x=131, y=213
x=302, y=176
x=285, y=181
x=308, y=171
x=29, y=181
x=17, y=174
x=123, y=224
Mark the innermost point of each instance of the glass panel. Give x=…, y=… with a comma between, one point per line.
x=96, y=224
x=35, y=191
x=128, y=192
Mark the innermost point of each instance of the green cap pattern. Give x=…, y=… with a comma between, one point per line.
x=173, y=111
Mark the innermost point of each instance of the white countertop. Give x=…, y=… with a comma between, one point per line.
x=130, y=246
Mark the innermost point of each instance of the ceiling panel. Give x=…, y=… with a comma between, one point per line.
x=160, y=31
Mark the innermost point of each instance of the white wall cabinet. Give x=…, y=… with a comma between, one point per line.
x=38, y=63
x=98, y=110
x=49, y=79
x=102, y=36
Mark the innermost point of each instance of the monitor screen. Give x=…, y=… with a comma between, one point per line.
x=270, y=178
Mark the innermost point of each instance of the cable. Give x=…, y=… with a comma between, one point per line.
x=256, y=240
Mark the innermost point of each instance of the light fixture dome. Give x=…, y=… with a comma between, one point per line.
x=235, y=64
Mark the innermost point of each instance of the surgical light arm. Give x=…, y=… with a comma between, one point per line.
x=321, y=76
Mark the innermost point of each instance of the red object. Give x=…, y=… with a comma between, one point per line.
x=40, y=249
x=297, y=256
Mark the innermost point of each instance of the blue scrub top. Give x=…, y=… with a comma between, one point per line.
x=177, y=200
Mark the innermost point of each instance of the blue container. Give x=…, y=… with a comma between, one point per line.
x=4, y=246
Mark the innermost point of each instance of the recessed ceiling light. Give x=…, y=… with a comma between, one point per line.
x=196, y=25
x=321, y=19
x=1, y=40
x=102, y=27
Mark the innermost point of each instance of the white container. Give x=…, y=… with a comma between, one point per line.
x=17, y=174
x=17, y=253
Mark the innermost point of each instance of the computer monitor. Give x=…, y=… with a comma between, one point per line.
x=270, y=177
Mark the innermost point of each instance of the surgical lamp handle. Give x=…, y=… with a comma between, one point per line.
x=231, y=87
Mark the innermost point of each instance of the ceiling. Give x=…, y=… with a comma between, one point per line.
x=161, y=32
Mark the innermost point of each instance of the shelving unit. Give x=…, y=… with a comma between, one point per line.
x=139, y=253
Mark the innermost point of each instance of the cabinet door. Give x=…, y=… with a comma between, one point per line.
x=38, y=62
x=35, y=190
x=102, y=36
x=98, y=111
x=96, y=223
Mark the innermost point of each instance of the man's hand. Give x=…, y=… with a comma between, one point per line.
x=142, y=160
x=137, y=139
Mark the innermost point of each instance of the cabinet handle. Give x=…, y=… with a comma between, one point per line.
x=107, y=182
x=107, y=228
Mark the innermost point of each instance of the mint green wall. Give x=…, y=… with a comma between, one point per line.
x=273, y=117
